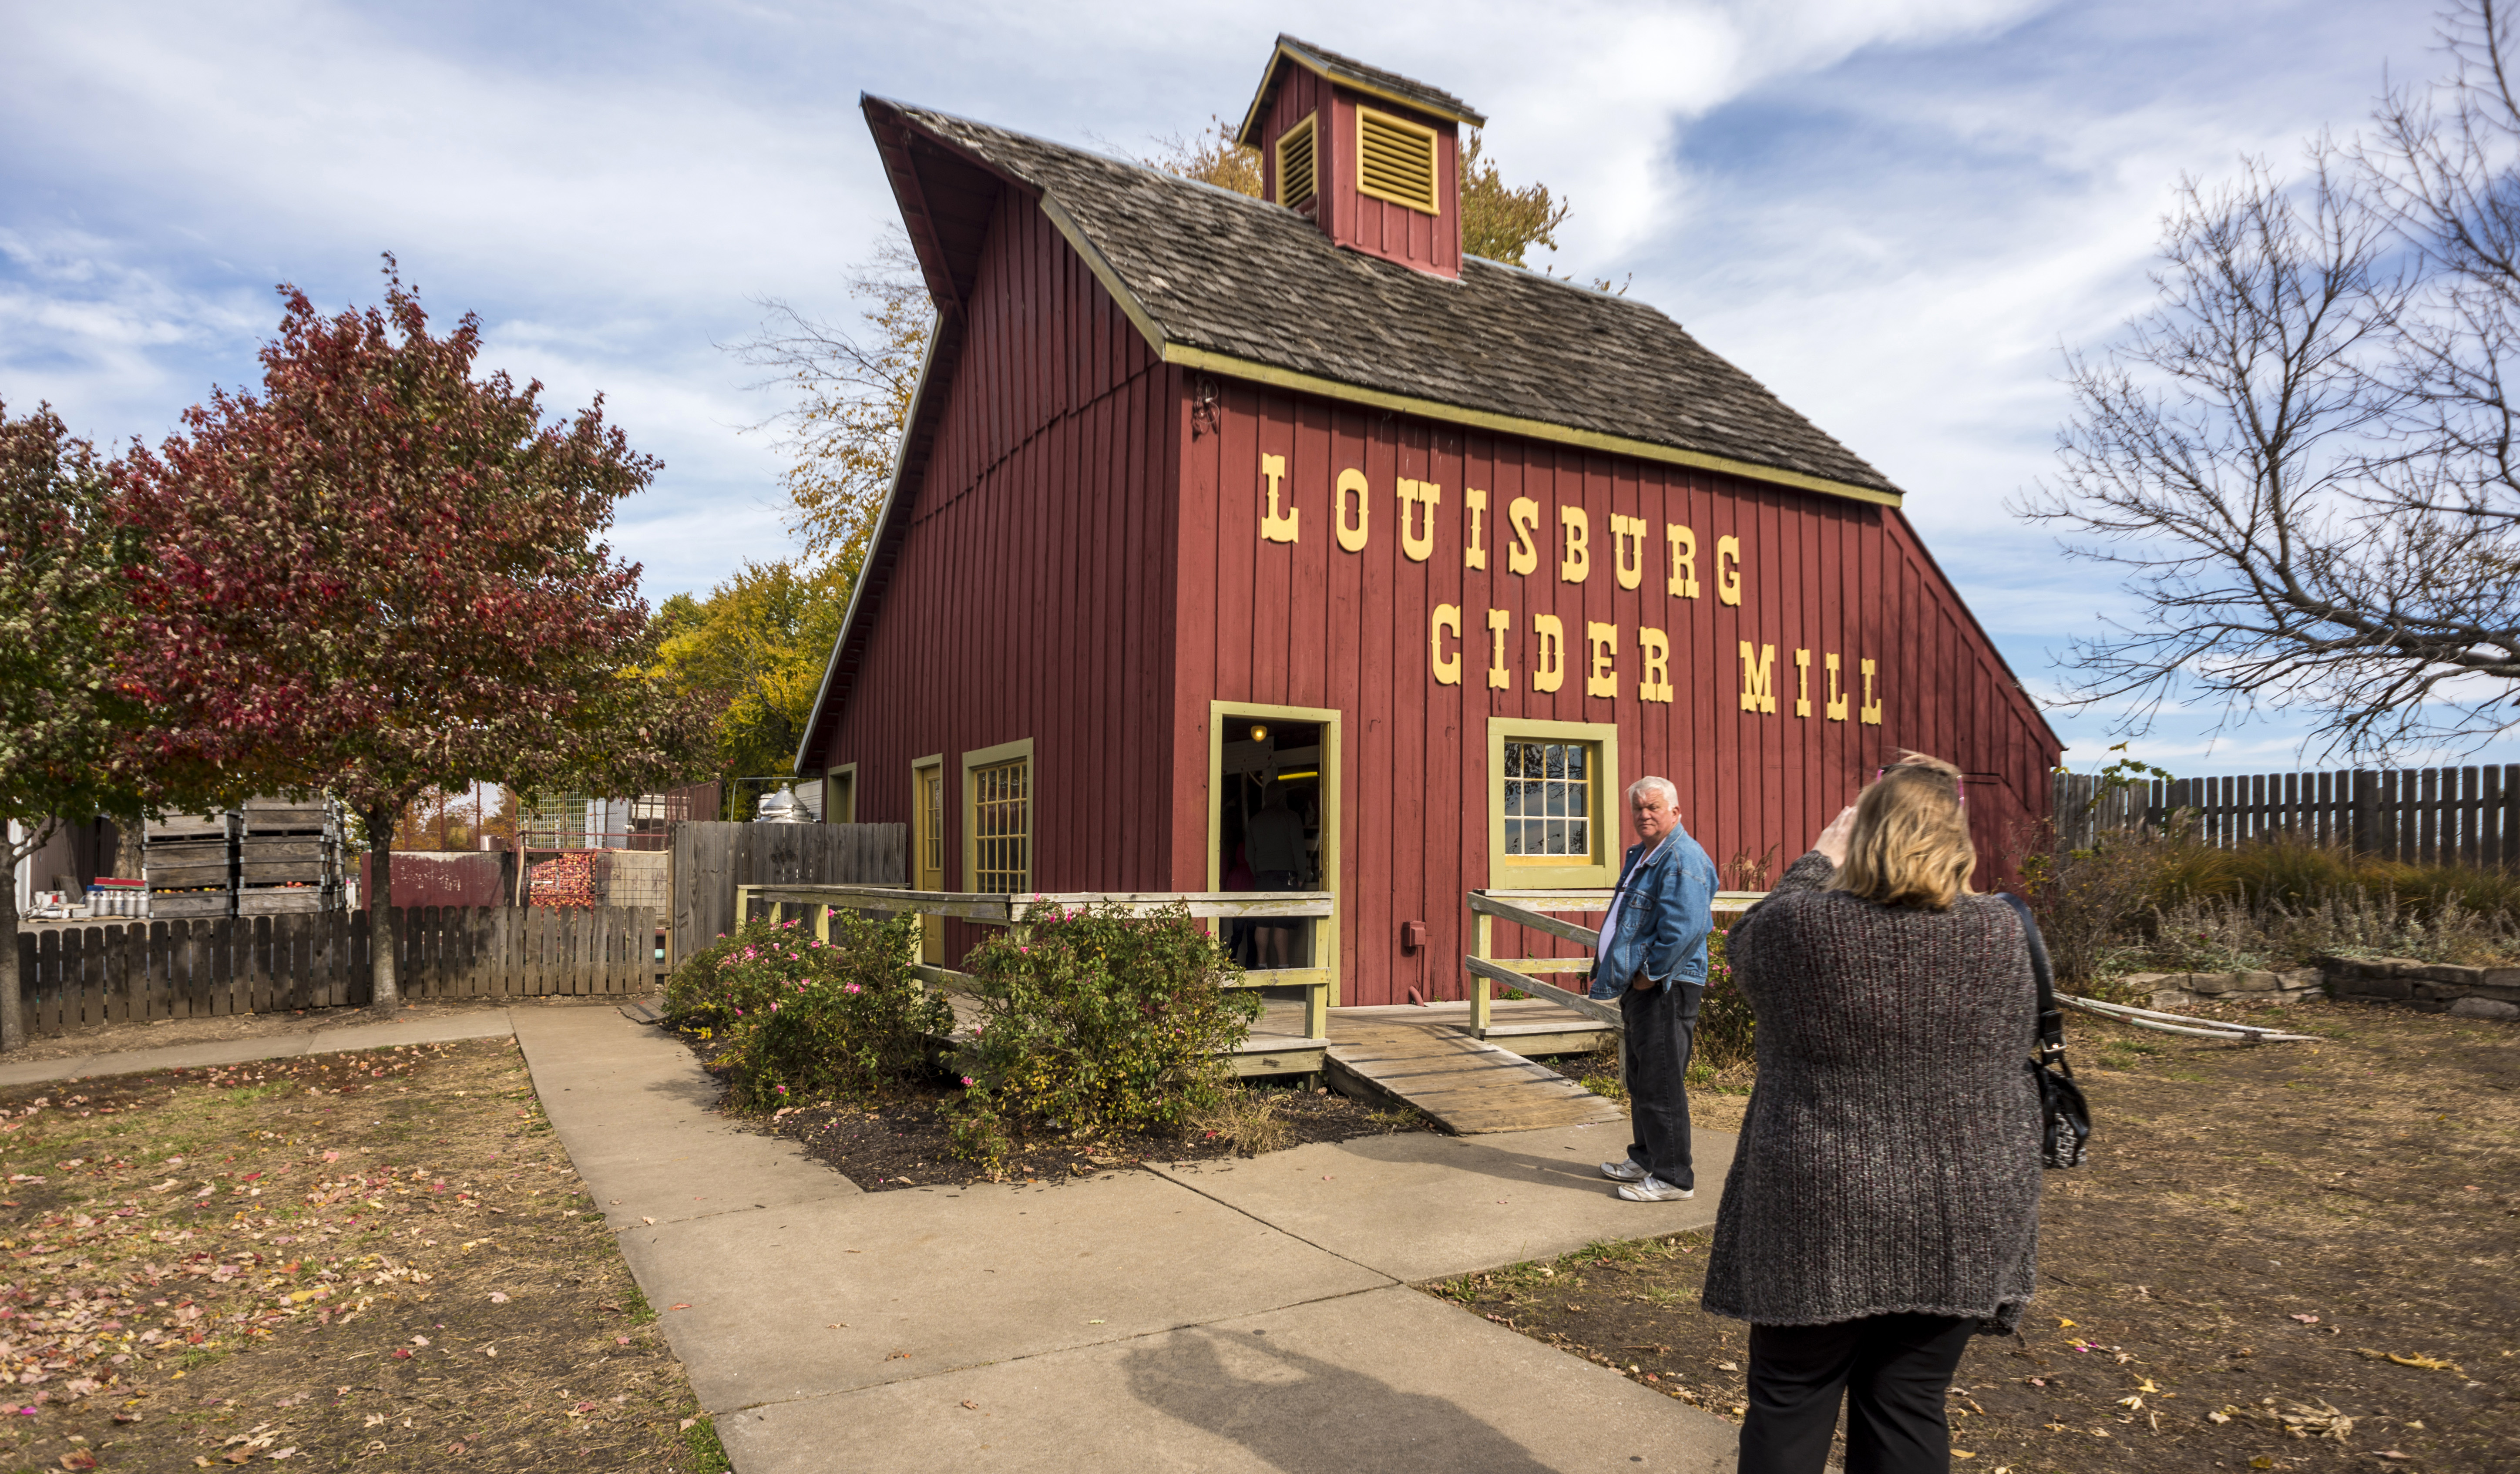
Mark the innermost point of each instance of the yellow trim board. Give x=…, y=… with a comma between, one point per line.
x=1608, y=800
x=1532, y=430
x=1326, y=934
x=849, y=772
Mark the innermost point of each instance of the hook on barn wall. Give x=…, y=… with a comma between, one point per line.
x=1204, y=401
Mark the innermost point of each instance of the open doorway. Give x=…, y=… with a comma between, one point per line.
x=1274, y=825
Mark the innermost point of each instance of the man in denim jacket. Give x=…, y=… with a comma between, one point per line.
x=1653, y=961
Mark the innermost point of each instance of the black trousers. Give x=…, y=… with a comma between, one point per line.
x=1893, y=1372
x=1661, y=1029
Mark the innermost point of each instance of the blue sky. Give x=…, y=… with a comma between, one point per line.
x=1895, y=212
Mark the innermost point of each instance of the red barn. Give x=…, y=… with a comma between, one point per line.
x=1204, y=496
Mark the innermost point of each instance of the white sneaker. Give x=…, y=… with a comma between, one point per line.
x=1624, y=1170
x=1655, y=1189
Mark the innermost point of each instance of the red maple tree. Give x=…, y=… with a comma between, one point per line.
x=382, y=575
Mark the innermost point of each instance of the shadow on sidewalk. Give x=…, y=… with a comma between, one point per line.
x=1308, y=1416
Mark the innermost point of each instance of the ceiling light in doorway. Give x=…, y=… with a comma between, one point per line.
x=1259, y=733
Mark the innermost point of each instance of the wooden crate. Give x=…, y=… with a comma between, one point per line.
x=163, y=877
x=189, y=826
x=279, y=900
x=287, y=818
x=182, y=904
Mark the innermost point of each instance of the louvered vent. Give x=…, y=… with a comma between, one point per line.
x=1396, y=160
x=1295, y=178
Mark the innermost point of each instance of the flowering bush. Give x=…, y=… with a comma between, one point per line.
x=1098, y=1020
x=810, y=1019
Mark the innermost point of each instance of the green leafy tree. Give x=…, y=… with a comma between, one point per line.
x=383, y=576
x=63, y=725
x=754, y=653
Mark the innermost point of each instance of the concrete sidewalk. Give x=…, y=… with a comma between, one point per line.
x=323, y=1039
x=1241, y=1316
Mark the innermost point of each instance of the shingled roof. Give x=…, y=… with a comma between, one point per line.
x=1225, y=279
x=1355, y=74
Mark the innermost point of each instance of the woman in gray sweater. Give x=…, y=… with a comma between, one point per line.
x=1883, y=1202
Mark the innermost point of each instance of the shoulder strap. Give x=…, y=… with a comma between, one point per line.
x=2051, y=1021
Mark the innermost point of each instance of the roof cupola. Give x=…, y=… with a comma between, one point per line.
x=1372, y=158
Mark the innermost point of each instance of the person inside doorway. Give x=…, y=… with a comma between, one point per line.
x=1274, y=844
x=1654, y=962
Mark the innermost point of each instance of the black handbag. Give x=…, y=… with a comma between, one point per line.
x=2065, y=1119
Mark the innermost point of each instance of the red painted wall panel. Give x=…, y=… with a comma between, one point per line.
x=1376, y=227
x=1034, y=594
x=1310, y=624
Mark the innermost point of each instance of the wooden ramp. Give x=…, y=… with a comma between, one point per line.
x=1427, y=1057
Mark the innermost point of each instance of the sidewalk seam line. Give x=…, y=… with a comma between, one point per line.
x=1272, y=1228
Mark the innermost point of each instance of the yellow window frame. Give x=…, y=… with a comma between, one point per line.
x=975, y=765
x=1308, y=135
x=841, y=794
x=1600, y=871
x=1424, y=204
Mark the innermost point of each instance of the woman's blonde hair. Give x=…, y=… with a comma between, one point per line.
x=1911, y=845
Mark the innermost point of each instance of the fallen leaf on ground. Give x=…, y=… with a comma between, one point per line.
x=2307, y=1320
x=967, y=1402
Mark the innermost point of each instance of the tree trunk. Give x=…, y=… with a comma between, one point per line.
x=385, y=995
x=13, y=1009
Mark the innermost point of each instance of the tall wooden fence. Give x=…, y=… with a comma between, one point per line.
x=76, y=977
x=710, y=859
x=2425, y=815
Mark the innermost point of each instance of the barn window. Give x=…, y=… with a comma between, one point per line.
x=1296, y=170
x=1553, y=804
x=997, y=818
x=1395, y=159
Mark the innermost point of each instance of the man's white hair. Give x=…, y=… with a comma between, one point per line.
x=1670, y=789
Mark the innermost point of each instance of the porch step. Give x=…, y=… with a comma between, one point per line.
x=1468, y=1085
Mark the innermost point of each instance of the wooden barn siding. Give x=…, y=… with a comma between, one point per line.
x=1033, y=598
x=1310, y=625
x=1376, y=226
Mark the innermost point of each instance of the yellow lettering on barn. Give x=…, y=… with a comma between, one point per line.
x=1522, y=514
x=1548, y=671
x=1420, y=497
x=1447, y=668
x=1500, y=674
x=1275, y=528
x=1836, y=698
x=1758, y=677
x=1727, y=570
x=1351, y=538
x=1600, y=658
x=1871, y=713
x=1683, y=560
x=1628, y=549
x=1802, y=683
x=1654, y=683
x=1475, y=554
x=1577, y=564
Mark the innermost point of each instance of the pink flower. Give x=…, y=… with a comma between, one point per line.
x=853, y=988
x=967, y=1080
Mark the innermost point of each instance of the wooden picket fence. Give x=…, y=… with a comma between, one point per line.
x=2424, y=815
x=78, y=977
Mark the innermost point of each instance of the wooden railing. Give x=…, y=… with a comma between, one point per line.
x=1529, y=910
x=989, y=909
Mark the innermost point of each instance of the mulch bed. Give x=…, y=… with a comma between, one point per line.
x=380, y=1260
x=2269, y=1242
x=906, y=1141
